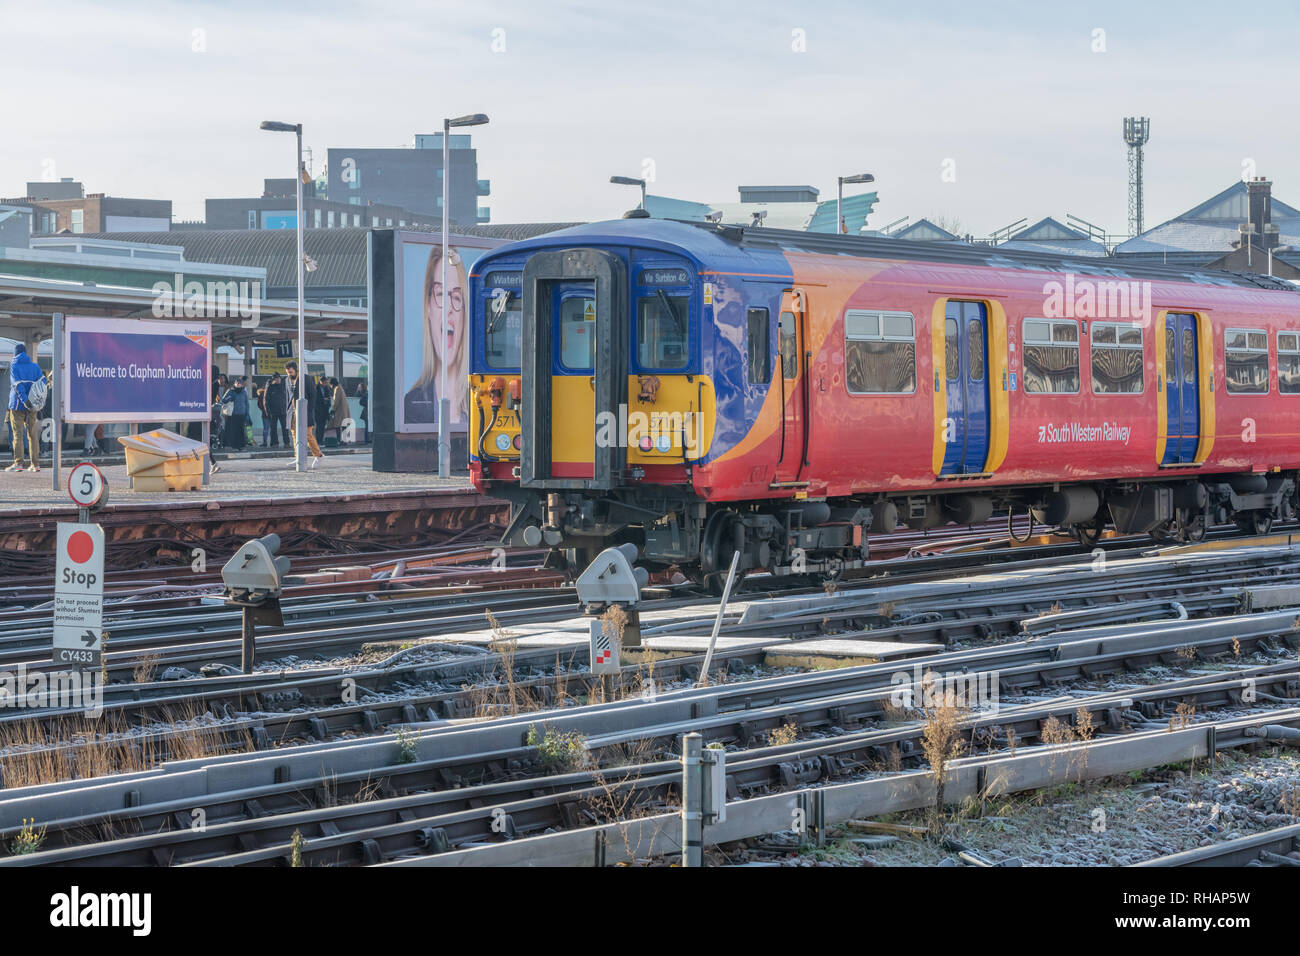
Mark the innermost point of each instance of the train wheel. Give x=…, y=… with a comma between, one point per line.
x=717, y=544
x=1087, y=534
x=1254, y=522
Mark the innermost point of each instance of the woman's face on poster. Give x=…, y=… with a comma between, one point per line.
x=447, y=346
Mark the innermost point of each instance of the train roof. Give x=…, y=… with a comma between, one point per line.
x=970, y=254
x=714, y=243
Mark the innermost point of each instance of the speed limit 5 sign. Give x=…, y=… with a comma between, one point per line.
x=86, y=486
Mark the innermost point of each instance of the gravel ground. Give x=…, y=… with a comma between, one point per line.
x=1115, y=822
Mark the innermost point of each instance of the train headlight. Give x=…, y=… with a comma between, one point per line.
x=519, y=441
x=663, y=444
x=645, y=444
x=503, y=442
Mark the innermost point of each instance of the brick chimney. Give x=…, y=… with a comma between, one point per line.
x=1259, y=191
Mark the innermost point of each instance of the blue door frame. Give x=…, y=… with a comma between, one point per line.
x=966, y=332
x=1182, y=389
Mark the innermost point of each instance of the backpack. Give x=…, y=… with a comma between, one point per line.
x=37, y=394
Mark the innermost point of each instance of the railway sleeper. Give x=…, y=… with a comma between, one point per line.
x=433, y=839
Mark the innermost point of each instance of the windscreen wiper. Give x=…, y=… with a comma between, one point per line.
x=672, y=310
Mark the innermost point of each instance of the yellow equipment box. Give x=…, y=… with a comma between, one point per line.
x=161, y=460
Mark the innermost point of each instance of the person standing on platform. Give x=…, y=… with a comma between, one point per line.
x=339, y=411
x=23, y=419
x=220, y=385
x=363, y=398
x=277, y=404
x=321, y=396
x=266, y=419
x=235, y=421
x=313, y=447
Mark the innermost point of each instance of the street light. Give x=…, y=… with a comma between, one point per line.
x=444, y=403
x=299, y=409
x=1270, y=255
x=630, y=181
x=839, y=196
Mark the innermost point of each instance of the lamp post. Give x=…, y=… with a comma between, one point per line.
x=839, y=196
x=299, y=409
x=444, y=403
x=630, y=181
x=1273, y=249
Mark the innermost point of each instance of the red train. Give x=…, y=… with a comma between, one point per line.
x=702, y=390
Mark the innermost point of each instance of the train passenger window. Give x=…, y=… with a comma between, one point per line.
x=1051, y=350
x=975, y=338
x=1246, y=361
x=951, y=350
x=760, y=347
x=503, y=325
x=879, y=352
x=578, y=333
x=789, y=361
x=1116, y=358
x=662, y=324
x=1288, y=362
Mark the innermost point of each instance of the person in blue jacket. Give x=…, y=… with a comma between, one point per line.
x=24, y=420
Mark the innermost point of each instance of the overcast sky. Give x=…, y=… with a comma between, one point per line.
x=1025, y=99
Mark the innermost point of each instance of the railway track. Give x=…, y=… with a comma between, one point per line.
x=1036, y=621
x=1274, y=848
x=490, y=767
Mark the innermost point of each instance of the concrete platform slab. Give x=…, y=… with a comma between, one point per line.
x=685, y=645
x=567, y=633
x=839, y=652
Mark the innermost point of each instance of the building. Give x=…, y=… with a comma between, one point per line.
x=1049, y=235
x=923, y=230
x=340, y=273
x=99, y=276
x=411, y=177
x=15, y=225
x=64, y=206
x=276, y=208
x=1234, y=229
x=777, y=207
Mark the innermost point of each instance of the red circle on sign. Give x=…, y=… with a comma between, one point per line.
x=80, y=547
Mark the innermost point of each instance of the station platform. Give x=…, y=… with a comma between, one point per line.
x=248, y=497
x=238, y=479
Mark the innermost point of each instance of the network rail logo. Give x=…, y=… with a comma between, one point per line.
x=210, y=299
x=1081, y=297
x=42, y=690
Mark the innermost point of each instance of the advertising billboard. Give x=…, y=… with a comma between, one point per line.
x=136, y=370
x=428, y=357
x=411, y=358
